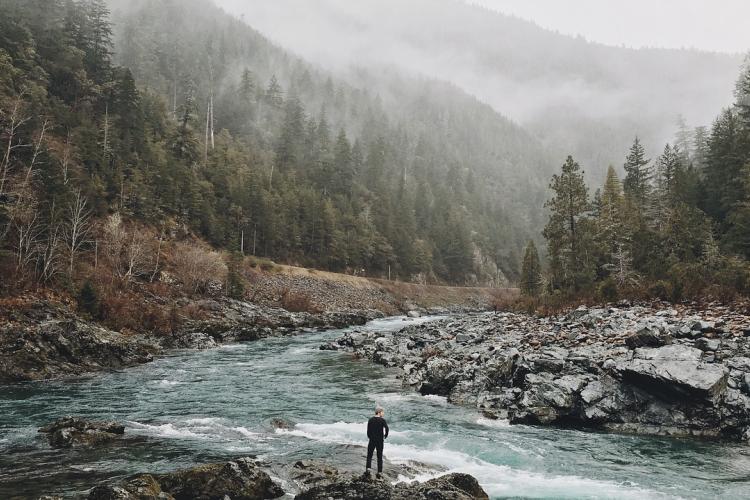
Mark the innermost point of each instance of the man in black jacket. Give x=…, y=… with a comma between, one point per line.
x=377, y=431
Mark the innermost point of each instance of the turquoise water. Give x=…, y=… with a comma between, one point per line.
x=201, y=406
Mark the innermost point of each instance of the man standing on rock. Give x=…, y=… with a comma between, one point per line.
x=377, y=431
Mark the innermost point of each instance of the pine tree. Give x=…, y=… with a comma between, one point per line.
x=611, y=214
x=725, y=161
x=668, y=174
x=565, y=232
x=637, y=176
x=531, y=272
x=700, y=148
x=742, y=94
x=684, y=141
x=274, y=95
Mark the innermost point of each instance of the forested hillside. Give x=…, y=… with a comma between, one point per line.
x=578, y=97
x=186, y=122
x=677, y=226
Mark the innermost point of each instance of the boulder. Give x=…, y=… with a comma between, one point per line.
x=440, y=377
x=705, y=344
x=73, y=431
x=143, y=487
x=674, y=372
x=240, y=479
x=282, y=423
x=648, y=336
x=365, y=487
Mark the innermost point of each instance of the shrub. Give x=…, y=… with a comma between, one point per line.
x=607, y=290
x=88, y=300
x=298, y=302
x=200, y=270
x=661, y=289
x=235, y=281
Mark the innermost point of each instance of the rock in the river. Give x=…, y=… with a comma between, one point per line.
x=143, y=487
x=73, y=431
x=281, y=423
x=241, y=479
x=448, y=487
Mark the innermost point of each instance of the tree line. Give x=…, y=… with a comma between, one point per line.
x=676, y=226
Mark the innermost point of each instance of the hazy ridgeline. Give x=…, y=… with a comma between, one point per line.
x=577, y=97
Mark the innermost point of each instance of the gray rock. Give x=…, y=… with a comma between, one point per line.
x=648, y=336
x=705, y=344
x=674, y=372
x=73, y=431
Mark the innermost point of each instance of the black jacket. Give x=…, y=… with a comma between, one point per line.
x=377, y=429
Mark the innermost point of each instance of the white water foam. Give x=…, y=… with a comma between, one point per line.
x=497, y=480
x=497, y=423
x=398, y=397
x=436, y=400
x=166, y=430
x=166, y=382
x=197, y=428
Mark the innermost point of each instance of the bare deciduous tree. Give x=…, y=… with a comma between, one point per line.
x=77, y=228
x=49, y=254
x=128, y=251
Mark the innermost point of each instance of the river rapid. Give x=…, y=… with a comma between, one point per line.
x=195, y=407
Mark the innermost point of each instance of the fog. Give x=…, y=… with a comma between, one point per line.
x=719, y=25
x=580, y=97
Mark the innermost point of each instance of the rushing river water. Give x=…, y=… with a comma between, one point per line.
x=201, y=406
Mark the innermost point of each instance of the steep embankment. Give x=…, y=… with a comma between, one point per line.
x=328, y=291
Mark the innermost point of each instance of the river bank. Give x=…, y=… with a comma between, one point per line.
x=648, y=369
x=44, y=336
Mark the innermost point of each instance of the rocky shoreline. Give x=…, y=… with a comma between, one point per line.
x=645, y=369
x=49, y=341
x=251, y=479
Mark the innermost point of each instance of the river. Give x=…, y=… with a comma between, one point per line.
x=200, y=406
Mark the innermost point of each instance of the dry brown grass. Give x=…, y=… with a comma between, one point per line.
x=298, y=302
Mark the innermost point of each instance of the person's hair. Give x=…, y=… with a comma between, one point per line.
x=379, y=409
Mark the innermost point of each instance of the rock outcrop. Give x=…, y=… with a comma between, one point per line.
x=49, y=341
x=637, y=369
x=241, y=479
x=54, y=348
x=246, y=479
x=363, y=487
x=73, y=431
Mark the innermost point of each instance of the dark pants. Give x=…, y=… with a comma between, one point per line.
x=371, y=447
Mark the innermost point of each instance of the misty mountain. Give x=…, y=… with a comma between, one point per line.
x=448, y=159
x=579, y=97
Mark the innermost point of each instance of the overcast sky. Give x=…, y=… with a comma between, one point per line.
x=718, y=25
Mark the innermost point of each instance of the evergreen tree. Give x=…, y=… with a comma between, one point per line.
x=637, y=177
x=611, y=235
x=700, y=148
x=725, y=161
x=531, y=272
x=566, y=232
